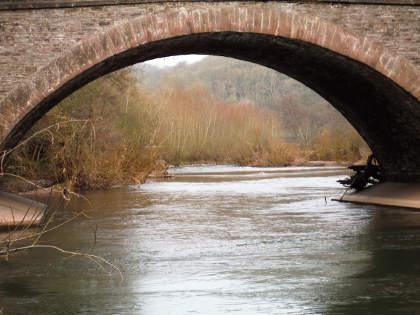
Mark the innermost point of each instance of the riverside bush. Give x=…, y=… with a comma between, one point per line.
x=114, y=130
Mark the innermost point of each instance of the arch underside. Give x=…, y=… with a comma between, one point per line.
x=385, y=114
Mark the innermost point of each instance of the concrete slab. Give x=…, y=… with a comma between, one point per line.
x=19, y=211
x=405, y=195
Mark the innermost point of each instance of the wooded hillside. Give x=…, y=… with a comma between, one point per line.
x=120, y=127
x=303, y=113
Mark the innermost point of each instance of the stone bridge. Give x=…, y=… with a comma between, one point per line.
x=363, y=56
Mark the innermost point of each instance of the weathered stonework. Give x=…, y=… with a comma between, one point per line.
x=30, y=39
x=366, y=73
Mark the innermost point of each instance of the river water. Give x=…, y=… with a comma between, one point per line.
x=224, y=240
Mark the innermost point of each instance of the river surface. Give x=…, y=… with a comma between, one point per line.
x=224, y=240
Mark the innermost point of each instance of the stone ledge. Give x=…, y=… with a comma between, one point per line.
x=53, y=4
x=17, y=211
x=406, y=195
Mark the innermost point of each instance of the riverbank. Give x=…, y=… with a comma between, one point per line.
x=160, y=170
x=294, y=163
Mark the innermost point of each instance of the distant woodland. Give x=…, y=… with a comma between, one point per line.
x=130, y=123
x=303, y=113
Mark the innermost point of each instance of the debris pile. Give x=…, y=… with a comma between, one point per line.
x=365, y=176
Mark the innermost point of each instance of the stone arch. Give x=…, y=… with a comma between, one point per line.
x=376, y=90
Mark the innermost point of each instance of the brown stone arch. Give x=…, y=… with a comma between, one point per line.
x=376, y=90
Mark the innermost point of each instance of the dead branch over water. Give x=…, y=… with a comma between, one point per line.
x=23, y=237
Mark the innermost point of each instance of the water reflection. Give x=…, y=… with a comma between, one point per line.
x=221, y=240
x=388, y=284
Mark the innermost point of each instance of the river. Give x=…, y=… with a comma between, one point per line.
x=224, y=240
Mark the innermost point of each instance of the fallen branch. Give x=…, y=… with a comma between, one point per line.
x=99, y=261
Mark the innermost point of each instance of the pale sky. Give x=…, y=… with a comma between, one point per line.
x=174, y=60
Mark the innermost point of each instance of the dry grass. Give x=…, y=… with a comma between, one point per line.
x=113, y=131
x=195, y=126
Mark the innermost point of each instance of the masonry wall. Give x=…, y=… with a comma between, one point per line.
x=30, y=39
x=30, y=4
